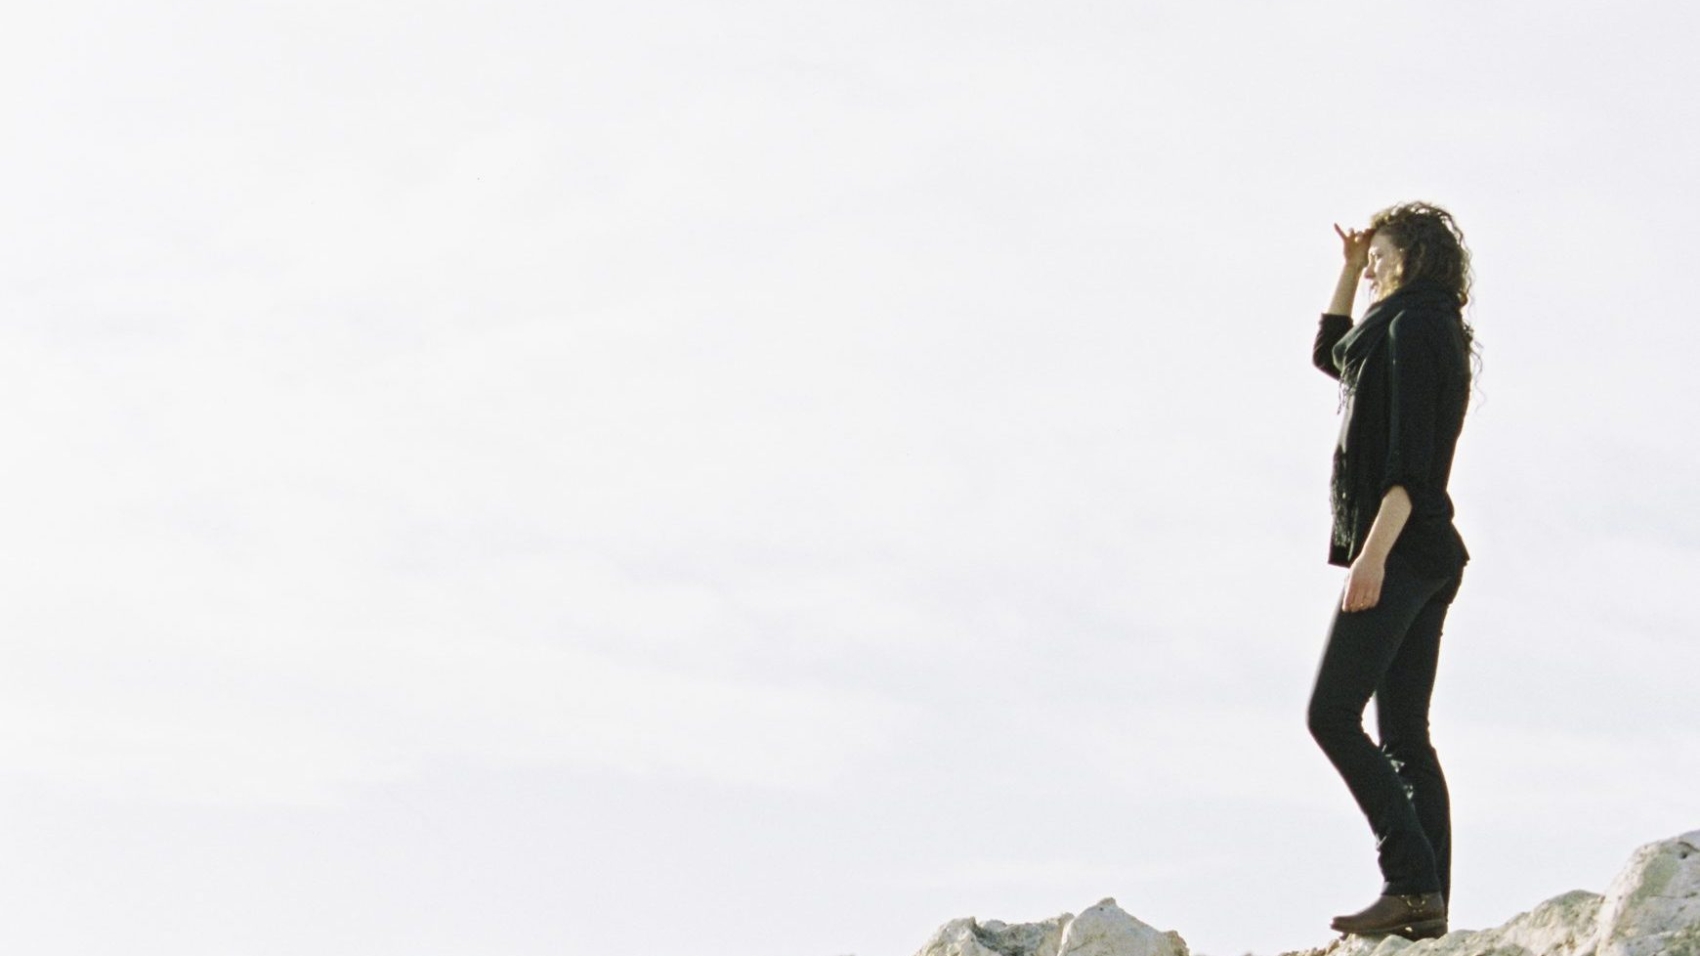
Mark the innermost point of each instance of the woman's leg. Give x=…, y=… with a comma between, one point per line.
x=1362, y=646
x=1401, y=710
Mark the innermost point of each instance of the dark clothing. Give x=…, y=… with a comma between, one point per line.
x=1390, y=650
x=1405, y=389
x=1404, y=377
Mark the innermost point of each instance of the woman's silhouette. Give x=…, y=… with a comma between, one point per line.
x=1404, y=372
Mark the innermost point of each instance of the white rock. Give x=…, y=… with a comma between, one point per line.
x=1103, y=930
x=1562, y=926
x=1108, y=930
x=969, y=937
x=1653, y=907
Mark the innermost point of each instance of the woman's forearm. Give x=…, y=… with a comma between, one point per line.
x=1346, y=290
x=1389, y=521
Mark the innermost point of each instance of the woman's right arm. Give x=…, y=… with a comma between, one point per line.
x=1331, y=329
x=1337, y=321
x=1346, y=290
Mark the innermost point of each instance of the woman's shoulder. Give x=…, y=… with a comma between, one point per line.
x=1428, y=331
x=1428, y=299
x=1430, y=317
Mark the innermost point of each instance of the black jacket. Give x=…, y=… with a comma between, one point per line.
x=1401, y=425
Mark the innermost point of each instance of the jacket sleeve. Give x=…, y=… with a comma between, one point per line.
x=1413, y=402
x=1330, y=330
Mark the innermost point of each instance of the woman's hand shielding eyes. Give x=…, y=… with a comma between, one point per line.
x=1355, y=244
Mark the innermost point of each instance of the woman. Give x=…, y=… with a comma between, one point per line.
x=1404, y=373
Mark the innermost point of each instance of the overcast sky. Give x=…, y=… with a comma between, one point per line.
x=767, y=478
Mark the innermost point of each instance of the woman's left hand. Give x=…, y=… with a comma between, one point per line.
x=1363, y=584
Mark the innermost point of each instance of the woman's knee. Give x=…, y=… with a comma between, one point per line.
x=1330, y=722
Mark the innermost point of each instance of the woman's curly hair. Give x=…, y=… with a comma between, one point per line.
x=1431, y=246
x=1430, y=242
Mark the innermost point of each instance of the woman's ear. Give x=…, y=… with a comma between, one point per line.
x=1406, y=266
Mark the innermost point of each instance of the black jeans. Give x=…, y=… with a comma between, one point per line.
x=1390, y=651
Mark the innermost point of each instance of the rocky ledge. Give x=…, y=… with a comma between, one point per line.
x=1651, y=909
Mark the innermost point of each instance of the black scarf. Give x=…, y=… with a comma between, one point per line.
x=1350, y=354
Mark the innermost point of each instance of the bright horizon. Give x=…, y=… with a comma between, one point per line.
x=524, y=478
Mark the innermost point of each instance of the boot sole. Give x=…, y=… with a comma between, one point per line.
x=1427, y=929
x=1421, y=929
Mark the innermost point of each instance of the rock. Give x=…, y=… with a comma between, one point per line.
x=1103, y=930
x=1562, y=924
x=1108, y=930
x=968, y=937
x=1652, y=908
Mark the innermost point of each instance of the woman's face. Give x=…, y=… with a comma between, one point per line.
x=1382, y=269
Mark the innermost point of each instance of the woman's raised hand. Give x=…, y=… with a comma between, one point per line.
x=1356, y=245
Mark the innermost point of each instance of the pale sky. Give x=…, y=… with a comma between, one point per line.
x=766, y=479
